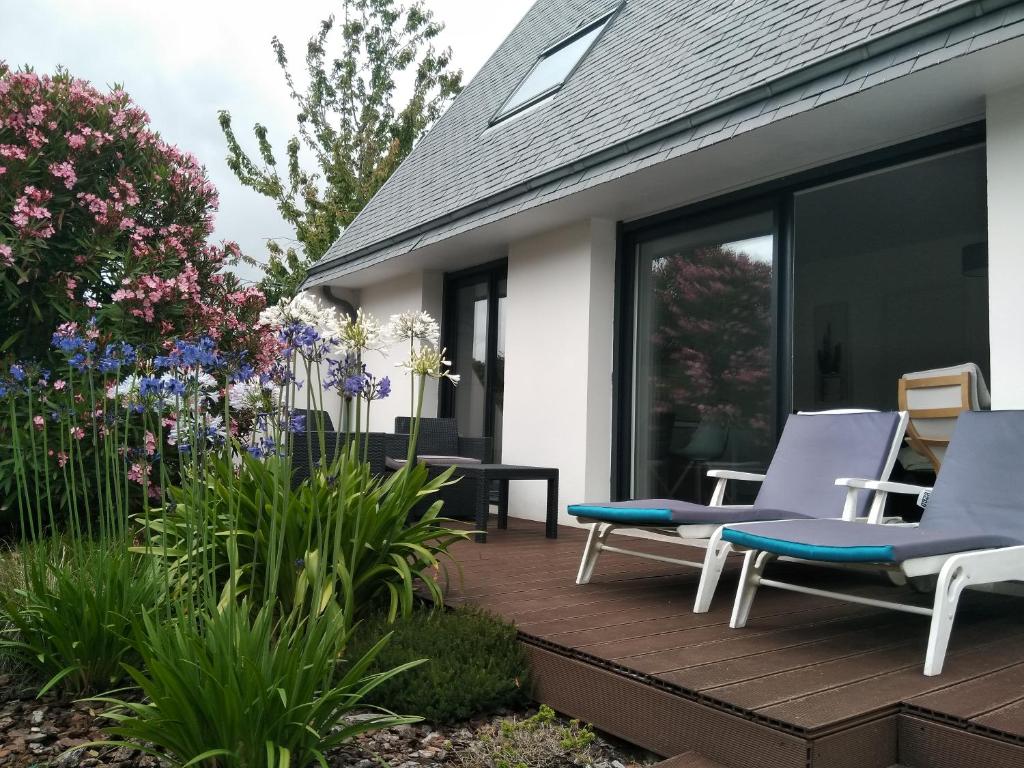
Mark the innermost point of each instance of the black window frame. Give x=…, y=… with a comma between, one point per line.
x=604, y=21
x=778, y=196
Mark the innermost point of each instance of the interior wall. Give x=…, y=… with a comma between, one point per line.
x=879, y=263
x=559, y=364
x=1005, y=127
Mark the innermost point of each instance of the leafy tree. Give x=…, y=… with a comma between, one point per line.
x=350, y=121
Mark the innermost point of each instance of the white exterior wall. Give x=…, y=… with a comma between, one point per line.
x=1005, y=147
x=558, y=369
x=414, y=291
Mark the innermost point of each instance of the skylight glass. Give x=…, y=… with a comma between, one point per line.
x=552, y=68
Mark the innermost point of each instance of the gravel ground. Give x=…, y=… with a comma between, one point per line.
x=49, y=731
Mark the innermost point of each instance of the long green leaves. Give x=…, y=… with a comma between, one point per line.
x=342, y=535
x=72, y=621
x=238, y=688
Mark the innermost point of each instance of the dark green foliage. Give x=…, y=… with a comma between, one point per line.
x=475, y=664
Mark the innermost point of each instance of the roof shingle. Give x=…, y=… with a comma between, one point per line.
x=658, y=62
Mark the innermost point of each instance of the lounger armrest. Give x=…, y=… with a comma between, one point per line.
x=882, y=485
x=881, y=490
x=732, y=474
x=723, y=476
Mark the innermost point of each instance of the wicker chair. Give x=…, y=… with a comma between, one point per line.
x=303, y=450
x=440, y=438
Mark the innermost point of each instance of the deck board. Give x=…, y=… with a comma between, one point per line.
x=822, y=670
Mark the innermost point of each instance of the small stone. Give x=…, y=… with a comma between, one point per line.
x=364, y=764
x=70, y=758
x=37, y=738
x=36, y=718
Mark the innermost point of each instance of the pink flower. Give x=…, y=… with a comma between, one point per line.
x=62, y=458
x=38, y=422
x=59, y=385
x=150, y=443
x=66, y=172
x=77, y=432
x=135, y=473
x=6, y=255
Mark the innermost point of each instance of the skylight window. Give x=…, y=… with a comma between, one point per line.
x=553, y=68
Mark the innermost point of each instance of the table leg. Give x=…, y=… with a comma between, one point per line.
x=482, y=509
x=503, y=504
x=552, y=518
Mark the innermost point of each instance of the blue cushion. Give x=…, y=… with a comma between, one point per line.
x=854, y=554
x=631, y=515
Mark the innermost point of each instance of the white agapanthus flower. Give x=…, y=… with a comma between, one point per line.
x=414, y=326
x=126, y=391
x=361, y=333
x=252, y=395
x=205, y=426
x=428, y=361
x=304, y=309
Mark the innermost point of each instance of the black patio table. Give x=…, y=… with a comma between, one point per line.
x=485, y=474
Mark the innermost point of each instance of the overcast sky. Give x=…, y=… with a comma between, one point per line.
x=183, y=60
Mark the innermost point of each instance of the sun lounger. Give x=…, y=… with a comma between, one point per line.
x=972, y=531
x=814, y=450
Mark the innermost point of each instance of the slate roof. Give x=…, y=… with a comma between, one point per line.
x=660, y=69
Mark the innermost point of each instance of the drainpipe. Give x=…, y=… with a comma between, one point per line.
x=343, y=304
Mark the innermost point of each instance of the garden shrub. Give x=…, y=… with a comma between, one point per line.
x=239, y=688
x=475, y=664
x=540, y=741
x=101, y=217
x=72, y=620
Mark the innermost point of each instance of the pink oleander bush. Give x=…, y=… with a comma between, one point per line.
x=100, y=216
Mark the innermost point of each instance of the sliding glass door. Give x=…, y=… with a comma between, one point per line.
x=817, y=292
x=703, y=338
x=474, y=334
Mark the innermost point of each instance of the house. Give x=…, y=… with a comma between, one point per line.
x=654, y=228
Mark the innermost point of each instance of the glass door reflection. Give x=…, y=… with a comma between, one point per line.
x=703, y=373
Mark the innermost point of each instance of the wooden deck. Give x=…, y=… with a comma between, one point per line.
x=809, y=681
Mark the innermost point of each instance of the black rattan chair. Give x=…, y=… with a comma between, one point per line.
x=439, y=437
x=303, y=450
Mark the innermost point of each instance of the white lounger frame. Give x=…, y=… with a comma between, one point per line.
x=955, y=571
x=709, y=536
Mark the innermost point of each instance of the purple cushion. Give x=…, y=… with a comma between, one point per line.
x=432, y=461
x=672, y=512
x=814, y=450
x=839, y=540
x=981, y=486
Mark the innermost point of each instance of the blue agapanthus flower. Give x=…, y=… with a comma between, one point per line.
x=115, y=356
x=150, y=385
x=297, y=422
x=18, y=373
x=199, y=354
x=353, y=385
